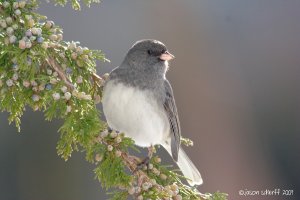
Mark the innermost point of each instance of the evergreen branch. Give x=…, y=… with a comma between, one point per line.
x=154, y=181
x=75, y=3
x=41, y=70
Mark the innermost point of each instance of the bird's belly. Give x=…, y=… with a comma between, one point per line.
x=135, y=113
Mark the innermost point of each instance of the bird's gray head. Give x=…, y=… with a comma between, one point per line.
x=148, y=55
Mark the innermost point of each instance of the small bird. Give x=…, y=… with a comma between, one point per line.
x=138, y=101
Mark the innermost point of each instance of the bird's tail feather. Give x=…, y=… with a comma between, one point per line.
x=187, y=167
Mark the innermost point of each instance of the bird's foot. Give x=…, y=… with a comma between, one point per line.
x=151, y=151
x=111, y=130
x=143, y=164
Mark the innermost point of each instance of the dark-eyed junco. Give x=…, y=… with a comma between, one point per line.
x=138, y=101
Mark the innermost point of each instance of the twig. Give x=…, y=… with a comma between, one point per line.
x=97, y=79
x=130, y=161
x=61, y=74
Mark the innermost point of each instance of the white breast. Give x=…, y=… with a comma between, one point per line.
x=135, y=113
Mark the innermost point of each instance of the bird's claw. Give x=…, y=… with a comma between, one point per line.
x=141, y=165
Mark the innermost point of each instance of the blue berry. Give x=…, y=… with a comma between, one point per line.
x=48, y=86
x=15, y=67
x=40, y=39
x=35, y=97
x=69, y=71
x=28, y=33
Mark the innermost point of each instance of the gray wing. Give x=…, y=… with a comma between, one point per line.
x=171, y=110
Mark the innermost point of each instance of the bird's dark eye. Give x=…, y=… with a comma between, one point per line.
x=163, y=51
x=150, y=52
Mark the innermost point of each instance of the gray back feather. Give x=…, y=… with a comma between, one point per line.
x=171, y=110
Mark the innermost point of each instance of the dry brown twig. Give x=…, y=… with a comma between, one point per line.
x=52, y=63
x=97, y=79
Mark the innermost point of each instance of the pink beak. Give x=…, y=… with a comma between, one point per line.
x=166, y=56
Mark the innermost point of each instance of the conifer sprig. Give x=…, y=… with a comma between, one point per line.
x=38, y=69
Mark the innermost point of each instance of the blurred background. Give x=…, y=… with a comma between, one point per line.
x=236, y=83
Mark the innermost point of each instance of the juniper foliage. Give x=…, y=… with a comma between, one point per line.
x=41, y=71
